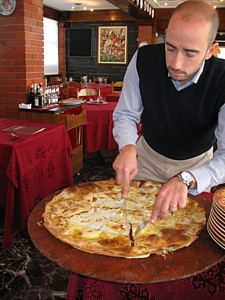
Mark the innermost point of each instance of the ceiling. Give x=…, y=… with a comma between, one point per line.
x=78, y=4
x=75, y=5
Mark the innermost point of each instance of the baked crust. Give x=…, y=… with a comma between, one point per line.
x=93, y=217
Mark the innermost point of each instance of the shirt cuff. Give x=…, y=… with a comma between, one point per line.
x=124, y=143
x=203, y=179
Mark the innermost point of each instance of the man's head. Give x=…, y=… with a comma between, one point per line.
x=190, y=38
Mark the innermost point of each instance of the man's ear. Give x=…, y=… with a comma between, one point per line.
x=212, y=50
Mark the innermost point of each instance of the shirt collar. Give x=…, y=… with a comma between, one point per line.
x=195, y=79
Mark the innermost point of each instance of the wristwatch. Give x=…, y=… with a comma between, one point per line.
x=186, y=178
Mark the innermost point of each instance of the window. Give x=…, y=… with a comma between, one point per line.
x=51, y=55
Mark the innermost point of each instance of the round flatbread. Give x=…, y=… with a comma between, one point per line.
x=93, y=217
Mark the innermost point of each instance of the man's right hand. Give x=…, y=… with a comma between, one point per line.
x=125, y=166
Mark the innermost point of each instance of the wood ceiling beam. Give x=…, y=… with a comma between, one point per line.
x=112, y=15
x=130, y=8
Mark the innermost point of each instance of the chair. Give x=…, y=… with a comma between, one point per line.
x=65, y=93
x=86, y=92
x=55, y=80
x=73, y=88
x=75, y=84
x=117, y=86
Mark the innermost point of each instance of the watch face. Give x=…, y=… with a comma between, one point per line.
x=7, y=7
x=186, y=176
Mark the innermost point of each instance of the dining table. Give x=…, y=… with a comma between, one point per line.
x=97, y=131
x=34, y=162
x=112, y=97
x=194, y=272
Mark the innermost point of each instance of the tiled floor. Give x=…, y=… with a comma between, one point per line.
x=24, y=272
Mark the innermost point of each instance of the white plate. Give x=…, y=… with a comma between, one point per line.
x=96, y=103
x=214, y=237
x=215, y=223
x=71, y=101
x=219, y=208
x=218, y=214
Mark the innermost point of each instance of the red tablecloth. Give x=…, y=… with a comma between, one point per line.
x=207, y=285
x=31, y=168
x=98, y=128
x=112, y=97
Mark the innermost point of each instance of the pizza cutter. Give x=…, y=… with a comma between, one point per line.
x=129, y=226
x=140, y=227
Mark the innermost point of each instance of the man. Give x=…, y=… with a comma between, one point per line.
x=177, y=91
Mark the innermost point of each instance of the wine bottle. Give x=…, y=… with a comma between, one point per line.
x=38, y=98
x=31, y=96
x=41, y=89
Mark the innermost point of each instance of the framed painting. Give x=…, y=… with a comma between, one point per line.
x=112, y=45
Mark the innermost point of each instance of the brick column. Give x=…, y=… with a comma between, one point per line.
x=21, y=54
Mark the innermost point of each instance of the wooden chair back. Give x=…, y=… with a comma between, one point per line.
x=86, y=92
x=65, y=91
x=55, y=80
x=117, y=86
x=75, y=84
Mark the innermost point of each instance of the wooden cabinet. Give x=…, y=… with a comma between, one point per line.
x=74, y=124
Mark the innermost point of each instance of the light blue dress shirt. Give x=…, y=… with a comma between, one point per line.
x=128, y=113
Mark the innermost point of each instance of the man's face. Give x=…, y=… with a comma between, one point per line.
x=186, y=48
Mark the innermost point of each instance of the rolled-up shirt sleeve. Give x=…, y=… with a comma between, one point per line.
x=127, y=113
x=212, y=173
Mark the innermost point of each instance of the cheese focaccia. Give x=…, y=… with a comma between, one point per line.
x=93, y=217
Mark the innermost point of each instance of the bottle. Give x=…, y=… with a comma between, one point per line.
x=31, y=96
x=38, y=98
x=35, y=87
x=41, y=89
x=46, y=82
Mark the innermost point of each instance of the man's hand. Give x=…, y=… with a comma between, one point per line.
x=125, y=166
x=172, y=196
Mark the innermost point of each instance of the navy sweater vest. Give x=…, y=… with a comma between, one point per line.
x=179, y=124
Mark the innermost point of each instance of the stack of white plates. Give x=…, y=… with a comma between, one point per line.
x=216, y=221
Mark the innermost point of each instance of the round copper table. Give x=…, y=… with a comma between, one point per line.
x=186, y=262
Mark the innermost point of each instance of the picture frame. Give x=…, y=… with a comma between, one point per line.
x=112, y=45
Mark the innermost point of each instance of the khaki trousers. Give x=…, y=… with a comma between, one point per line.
x=156, y=167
